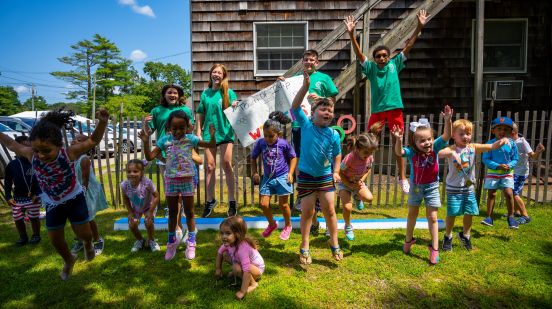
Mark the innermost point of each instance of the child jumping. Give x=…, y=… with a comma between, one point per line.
x=460, y=180
x=61, y=194
x=521, y=171
x=320, y=150
x=355, y=168
x=240, y=251
x=386, y=103
x=424, y=177
x=24, y=201
x=277, y=175
x=95, y=197
x=500, y=165
x=178, y=176
x=140, y=198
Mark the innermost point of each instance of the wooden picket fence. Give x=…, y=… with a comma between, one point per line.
x=534, y=125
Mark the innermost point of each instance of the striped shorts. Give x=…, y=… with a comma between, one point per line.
x=307, y=184
x=25, y=205
x=178, y=186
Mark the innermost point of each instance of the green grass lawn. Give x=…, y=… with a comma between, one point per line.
x=507, y=268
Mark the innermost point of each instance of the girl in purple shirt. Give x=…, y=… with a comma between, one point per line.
x=276, y=154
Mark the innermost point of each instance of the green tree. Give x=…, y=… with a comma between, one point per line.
x=99, y=58
x=9, y=101
x=40, y=104
x=132, y=105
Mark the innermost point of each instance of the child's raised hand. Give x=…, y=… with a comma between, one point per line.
x=212, y=130
x=447, y=112
x=102, y=114
x=144, y=135
x=397, y=132
x=350, y=23
x=312, y=97
x=501, y=142
x=422, y=17
x=306, y=79
x=540, y=148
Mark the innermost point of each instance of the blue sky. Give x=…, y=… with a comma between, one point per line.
x=34, y=33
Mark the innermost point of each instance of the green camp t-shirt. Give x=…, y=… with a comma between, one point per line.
x=210, y=105
x=322, y=85
x=384, y=83
x=160, y=115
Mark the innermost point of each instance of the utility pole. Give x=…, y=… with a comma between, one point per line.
x=33, y=92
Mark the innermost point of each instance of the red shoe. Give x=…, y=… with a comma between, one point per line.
x=269, y=230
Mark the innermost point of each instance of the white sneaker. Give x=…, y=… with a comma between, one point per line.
x=405, y=185
x=138, y=245
x=154, y=246
x=179, y=236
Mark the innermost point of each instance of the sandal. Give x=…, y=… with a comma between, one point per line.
x=305, y=257
x=337, y=253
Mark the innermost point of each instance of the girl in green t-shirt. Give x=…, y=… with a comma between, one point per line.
x=216, y=98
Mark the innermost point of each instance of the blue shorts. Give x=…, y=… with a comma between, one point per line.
x=428, y=192
x=461, y=201
x=276, y=186
x=75, y=210
x=519, y=182
x=498, y=183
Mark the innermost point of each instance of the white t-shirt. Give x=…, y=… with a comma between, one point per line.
x=460, y=172
x=524, y=149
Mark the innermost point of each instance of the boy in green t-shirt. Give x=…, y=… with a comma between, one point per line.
x=383, y=74
x=321, y=86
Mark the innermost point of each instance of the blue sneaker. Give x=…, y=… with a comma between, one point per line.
x=487, y=221
x=524, y=220
x=349, y=233
x=512, y=223
x=360, y=205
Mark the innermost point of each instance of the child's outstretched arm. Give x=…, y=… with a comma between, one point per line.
x=302, y=91
x=148, y=153
x=481, y=148
x=74, y=151
x=19, y=149
x=350, y=23
x=398, y=134
x=447, y=115
x=538, y=151
x=212, y=143
x=422, y=20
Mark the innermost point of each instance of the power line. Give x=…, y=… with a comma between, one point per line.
x=30, y=82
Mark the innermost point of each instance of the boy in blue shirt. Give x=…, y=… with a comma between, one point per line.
x=500, y=170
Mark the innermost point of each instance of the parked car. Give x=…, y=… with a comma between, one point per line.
x=16, y=124
x=5, y=154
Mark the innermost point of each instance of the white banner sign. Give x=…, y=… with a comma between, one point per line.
x=248, y=117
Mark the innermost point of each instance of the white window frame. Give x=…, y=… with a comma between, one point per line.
x=495, y=70
x=274, y=73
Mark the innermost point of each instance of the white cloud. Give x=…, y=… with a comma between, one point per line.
x=138, y=55
x=21, y=89
x=143, y=10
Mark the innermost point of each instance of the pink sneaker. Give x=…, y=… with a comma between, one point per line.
x=405, y=185
x=433, y=255
x=171, y=251
x=190, y=250
x=408, y=245
x=284, y=235
x=269, y=230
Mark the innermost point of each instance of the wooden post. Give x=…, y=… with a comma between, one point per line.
x=106, y=152
x=366, y=46
x=478, y=77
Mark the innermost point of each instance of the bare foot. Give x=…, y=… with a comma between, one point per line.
x=252, y=286
x=68, y=268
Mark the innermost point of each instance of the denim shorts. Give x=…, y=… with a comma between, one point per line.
x=276, y=186
x=75, y=210
x=498, y=183
x=342, y=186
x=428, y=192
x=519, y=182
x=461, y=201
